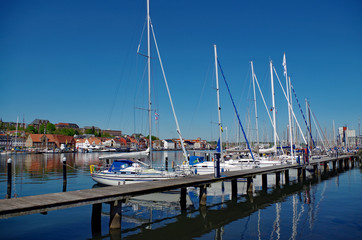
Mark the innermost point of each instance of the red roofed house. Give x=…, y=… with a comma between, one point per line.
x=50, y=141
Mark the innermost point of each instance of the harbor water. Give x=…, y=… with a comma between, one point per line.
x=323, y=207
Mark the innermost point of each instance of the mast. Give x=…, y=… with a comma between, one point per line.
x=289, y=107
x=273, y=106
x=218, y=104
x=149, y=79
x=256, y=110
x=310, y=124
x=334, y=135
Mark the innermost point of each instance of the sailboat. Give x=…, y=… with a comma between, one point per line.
x=126, y=167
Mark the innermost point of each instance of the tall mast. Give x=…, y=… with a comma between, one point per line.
x=149, y=79
x=310, y=125
x=256, y=110
x=218, y=104
x=273, y=106
x=289, y=107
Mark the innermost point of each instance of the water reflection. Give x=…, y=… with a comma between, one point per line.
x=277, y=214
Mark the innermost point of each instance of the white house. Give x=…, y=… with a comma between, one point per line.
x=168, y=144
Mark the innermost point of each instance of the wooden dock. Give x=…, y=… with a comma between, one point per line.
x=118, y=194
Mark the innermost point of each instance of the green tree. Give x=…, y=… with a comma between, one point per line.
x=50, y=128
x=41, y=128
x=88, y=131
x=152, y=137
x=31, y=129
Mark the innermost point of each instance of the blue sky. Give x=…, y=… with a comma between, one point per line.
x=76, y=61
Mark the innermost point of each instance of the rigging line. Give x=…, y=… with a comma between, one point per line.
x=201, y=95
x=321, y=129
x=305, y=121
x=285, y=95
x=169, y=94
x=314, y=120
x=236, y=111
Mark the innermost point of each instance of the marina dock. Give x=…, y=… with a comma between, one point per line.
x=118, y=194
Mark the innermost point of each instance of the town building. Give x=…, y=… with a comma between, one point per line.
x=346, y=137
x=168, y=144
x=38, y=122
x=66, y=125
x=50, y=141
x=9, y=142
x=114, y=133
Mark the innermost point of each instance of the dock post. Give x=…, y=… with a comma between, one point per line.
x=207, y=157
x=234, y=188
x=166, y=163
x=64, y=174
x=286, y=176
x=325, y=167
x=340, y=164
x=304, y=174
x=115, y=215
x=315, y=169
x=277, y=179
x=10, y=172
x=334, y=165
x=264, y=181
x=96, y=219
x=183, y=199
x=352, y=162
x=299, y=174
x=249, y=185
x=202, y=196
x=346, y=163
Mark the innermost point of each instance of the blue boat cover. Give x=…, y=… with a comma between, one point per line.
x=195, y=159
x=117, y=165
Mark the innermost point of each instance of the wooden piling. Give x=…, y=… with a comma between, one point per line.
x=334, y=163
x=315, y=169
x=234, y=188
x=277, y=179
x=64, y=170
x=299, y=174
x=202, y=196
x=325, y=167
x=286, y=176
x=166, y=163
x=183, y=199
x=346, y=163
x=340, y=164
x=304, y=174
x=96, y=219
x=115, y=215
x=64, y=174
x=249, y=185
x=264, y=181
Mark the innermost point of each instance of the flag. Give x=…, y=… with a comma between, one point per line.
x=156, y=116
x=222, y=130
x=218, y=146
x=285, y=65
